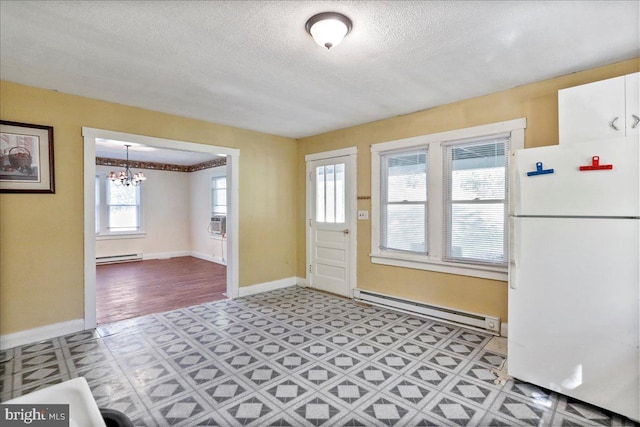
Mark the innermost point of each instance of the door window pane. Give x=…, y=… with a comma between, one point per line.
x=330, y=193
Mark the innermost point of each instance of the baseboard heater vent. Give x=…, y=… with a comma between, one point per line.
x=476, y=321
x=112, y=259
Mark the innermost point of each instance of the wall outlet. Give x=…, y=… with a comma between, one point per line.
x=363, y=214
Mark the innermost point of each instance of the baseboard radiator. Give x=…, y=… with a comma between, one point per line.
x=112, y=259
x=472, y=320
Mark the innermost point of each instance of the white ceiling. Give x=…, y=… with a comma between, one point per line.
x=250, y=64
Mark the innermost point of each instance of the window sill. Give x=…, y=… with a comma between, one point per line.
x=121, y=236
x=424, y=263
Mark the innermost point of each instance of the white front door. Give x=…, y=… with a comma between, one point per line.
x=329, y=224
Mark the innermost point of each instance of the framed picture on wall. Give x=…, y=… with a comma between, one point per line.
x=26, y=158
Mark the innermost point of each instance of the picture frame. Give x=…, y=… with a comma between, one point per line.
x=26, y=158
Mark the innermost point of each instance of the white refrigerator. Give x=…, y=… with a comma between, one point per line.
x=574, y=272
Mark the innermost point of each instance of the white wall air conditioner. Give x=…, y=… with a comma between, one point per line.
x=218, y=224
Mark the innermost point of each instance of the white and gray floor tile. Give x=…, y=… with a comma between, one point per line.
x=292, y=357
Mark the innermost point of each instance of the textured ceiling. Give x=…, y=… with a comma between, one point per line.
x=250, y=64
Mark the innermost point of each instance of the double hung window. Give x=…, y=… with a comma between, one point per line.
x=118, y=208
x=476, y=202
x=218, y=195
x=404, y=201
x=441, y=202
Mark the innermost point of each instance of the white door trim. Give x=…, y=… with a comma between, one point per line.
x=233, y=168
x=352, y=200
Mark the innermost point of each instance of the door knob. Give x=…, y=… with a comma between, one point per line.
x=345, y=231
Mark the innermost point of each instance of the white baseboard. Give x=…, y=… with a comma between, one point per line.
x=165, y=255
x=265, y=287
x=42, y=333
x=301, y=281
x=209, y=258
x=504, y=329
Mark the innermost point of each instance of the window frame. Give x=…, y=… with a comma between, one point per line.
x=435, y=144
x=102, y=213
x=213, y=186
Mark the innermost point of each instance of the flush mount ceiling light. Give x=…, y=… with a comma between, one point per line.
x=328, y=28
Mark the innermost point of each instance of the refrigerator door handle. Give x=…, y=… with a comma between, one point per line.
x=513, y=247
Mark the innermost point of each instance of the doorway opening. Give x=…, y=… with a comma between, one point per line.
x=208, y=247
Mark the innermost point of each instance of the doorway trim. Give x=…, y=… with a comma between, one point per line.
x=352, y=220
x=233, y=163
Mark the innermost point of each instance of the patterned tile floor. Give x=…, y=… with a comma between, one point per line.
x=292, y=357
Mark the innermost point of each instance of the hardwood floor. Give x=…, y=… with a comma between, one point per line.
x=135, y=289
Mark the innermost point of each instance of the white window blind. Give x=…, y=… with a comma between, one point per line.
x=404, y=201
x=123, y=207
x=219, y=195
x=475, y=183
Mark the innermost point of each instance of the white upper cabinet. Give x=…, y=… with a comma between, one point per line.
x=604, y=110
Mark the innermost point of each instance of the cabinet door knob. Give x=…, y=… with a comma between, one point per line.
x=612, y=124
x=636, y=120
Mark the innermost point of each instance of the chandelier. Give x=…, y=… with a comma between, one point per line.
x=126, y=177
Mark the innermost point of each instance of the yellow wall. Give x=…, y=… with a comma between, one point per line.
x=537, y=102
x=41, y=236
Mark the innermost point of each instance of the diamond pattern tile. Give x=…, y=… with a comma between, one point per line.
x=292, y=357
x=454, y=411
x=262, y=374
x=584, y=413
x=163, y=390
x=411, y=391
x=431, y=375
x=287, y=390
x=521, y=410
x=292, y=361
x=250, y=410
x=447, y=361
x=225, y=391
x=318, y=374
x=181, y=411
x=205, y=374
x=317, y=411
x=374, y=375
x=349, y=392
x=395, y=361
x=366, y=349
x=344, y=361
x=475, y=393
x=241, y=360
x=387, y=412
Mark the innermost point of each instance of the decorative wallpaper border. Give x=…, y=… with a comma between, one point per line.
x=102, y=161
